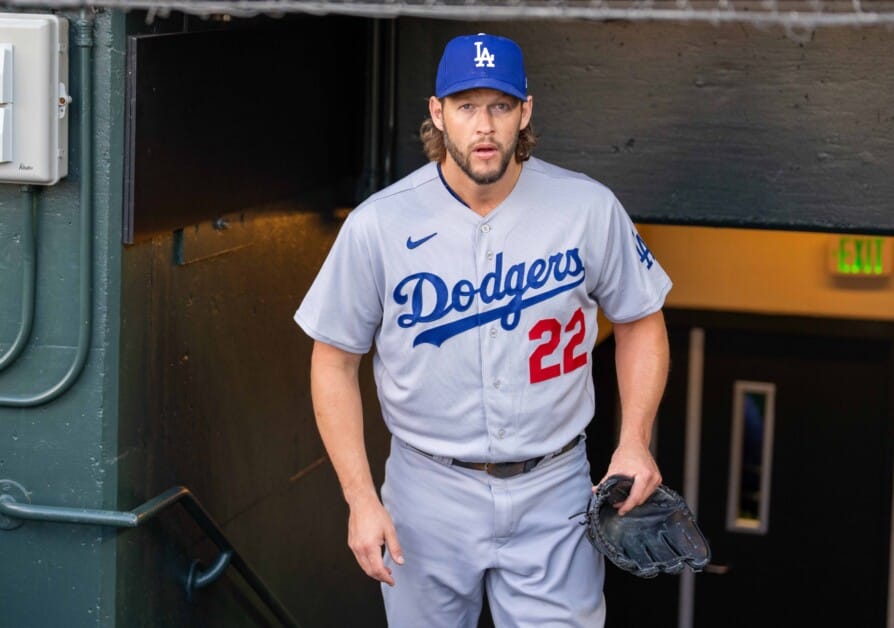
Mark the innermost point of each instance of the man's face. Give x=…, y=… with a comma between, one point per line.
x=481, y=129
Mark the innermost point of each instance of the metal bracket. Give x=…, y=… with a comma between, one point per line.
x=197, y=578
x=17, y=493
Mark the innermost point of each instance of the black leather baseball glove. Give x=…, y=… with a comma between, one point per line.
x=658, y=536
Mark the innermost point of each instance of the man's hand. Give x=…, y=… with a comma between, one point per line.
x=635, y=461
x=369, y=528
x=338, y=408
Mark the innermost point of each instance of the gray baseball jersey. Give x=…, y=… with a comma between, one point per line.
x=483, y=326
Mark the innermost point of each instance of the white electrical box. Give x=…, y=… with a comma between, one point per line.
x=34, y=98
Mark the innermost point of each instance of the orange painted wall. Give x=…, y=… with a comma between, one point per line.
x=767, y=272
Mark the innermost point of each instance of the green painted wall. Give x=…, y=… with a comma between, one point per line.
x=64, y=452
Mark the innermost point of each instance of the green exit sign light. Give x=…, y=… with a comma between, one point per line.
x=860, y=256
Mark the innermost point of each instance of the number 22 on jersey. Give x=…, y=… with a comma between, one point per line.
x=551, y=356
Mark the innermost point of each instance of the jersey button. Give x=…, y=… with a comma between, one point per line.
x=490, y=255
x=485, y=228
x=497, y=383
x=493, y=332
x=501, y=433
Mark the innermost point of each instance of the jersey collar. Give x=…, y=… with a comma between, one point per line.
x=447, y=185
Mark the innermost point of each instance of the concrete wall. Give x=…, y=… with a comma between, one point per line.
x=215, y=397
x=215, y=375
x=698, y=124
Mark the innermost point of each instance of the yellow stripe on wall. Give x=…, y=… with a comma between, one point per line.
x=771, y=272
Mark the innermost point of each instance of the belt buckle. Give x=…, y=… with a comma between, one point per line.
x=503, y=470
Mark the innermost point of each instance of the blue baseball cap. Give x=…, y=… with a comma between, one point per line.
x=472, y=61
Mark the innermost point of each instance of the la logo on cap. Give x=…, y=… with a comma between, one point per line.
x=484, y=57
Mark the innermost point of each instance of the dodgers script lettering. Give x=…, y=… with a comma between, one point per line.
x=431, y=299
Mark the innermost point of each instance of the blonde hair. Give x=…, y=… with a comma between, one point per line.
x=433, y=142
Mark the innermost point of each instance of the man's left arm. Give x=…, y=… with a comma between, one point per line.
x=642, y=357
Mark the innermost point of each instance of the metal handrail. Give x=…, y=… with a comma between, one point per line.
x=14, y=509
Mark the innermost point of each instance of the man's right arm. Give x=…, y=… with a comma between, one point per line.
x=335, y=389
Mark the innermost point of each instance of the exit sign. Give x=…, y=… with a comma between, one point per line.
x=861, y=256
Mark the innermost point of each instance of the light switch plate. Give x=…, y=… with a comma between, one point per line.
x=39, y=142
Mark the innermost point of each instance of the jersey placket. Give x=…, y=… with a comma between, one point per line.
x=490, y=337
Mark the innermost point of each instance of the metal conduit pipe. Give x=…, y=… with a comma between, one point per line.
x=390, y=104
x=378, y=146
x=370, y=176
x=84, y=41
x=29, y=279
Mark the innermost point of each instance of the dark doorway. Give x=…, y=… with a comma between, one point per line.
x=823, y=559
x=831, y=444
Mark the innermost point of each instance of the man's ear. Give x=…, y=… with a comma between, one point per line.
x=527, y=111
x=436, y=110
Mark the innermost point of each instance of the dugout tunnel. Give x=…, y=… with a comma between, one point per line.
x=224, y=150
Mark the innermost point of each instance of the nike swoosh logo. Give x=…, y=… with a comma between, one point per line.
x=412, y=244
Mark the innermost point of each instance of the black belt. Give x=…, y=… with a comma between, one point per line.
x=508, y=469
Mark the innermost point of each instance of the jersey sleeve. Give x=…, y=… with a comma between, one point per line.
x=632, y=284
x=343, y=306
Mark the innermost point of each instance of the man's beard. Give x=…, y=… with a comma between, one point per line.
x=465, y=161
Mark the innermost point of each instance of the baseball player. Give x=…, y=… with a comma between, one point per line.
x=477, y=279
